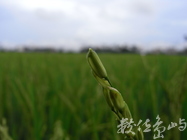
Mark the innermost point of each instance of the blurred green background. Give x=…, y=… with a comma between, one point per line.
x=54, y=96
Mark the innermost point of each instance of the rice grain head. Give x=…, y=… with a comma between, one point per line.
x=113, y=97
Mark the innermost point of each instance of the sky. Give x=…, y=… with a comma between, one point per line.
x=71, y=24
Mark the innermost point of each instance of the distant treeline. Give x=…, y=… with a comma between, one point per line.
x=134, y=50
x=112, y=49
x=99, y=49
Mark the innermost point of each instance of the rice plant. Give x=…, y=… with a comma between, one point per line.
x=4, y=131
x=113, y=96
x=51, y=95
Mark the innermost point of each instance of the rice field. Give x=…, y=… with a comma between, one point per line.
x=54, y=96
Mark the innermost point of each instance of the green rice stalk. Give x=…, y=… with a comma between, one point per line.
x=113, y=97
x=4, y=131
